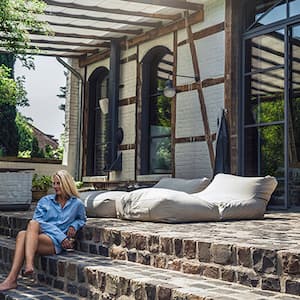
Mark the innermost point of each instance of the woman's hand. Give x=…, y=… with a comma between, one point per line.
x=71, y=232
x=67, y=244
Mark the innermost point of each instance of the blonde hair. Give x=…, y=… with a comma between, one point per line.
x=67, y=183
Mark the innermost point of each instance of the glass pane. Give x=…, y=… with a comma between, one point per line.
x=276, y=14
x=264, y=97
x=272, y=150
x=160, y=155
x=101, y=120
x=265, y=51
x=294, y=7
x=294, y=116
x=160, y=132
x=264, y=155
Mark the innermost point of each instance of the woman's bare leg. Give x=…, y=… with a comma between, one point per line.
x=44, y=246
x=31, y=245
x=11, y=280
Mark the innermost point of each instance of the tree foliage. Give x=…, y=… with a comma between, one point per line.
x=25, y=133
x=17, y=19
x=9, y=138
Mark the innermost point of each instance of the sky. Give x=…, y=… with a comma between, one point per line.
x=42, y=86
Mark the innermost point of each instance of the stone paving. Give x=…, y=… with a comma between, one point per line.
x=29, y=289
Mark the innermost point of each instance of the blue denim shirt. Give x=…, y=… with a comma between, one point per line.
x=55, y=221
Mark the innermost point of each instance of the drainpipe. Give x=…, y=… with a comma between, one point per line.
x=79, y=127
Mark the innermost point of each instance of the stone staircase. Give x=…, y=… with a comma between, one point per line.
x=117, y=259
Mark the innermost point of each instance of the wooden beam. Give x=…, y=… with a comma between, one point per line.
x=128, y=59
x=158, y=32
x=174, y=3
x=205, y=32
x=200, y=91
x=148, y=36
x=109, y=29
x=204, y=83
x=76, y=35
x=138, y=102
x=173, y=106
x=127, y=101
x=102, y=19
x=66, y=49
x=111, y=10
x=66, y=43
x=194, y=139
x=84, y=61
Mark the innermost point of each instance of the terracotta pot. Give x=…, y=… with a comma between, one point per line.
x=37, y=195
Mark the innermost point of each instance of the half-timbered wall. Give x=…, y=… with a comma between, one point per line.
x=190, y=141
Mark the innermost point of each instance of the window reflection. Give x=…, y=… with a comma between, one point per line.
x=264, y=17
x=294, y=8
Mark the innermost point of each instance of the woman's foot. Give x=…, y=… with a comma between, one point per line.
x=7, y=285
x=28, y=272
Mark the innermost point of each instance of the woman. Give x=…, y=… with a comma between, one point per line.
x=56, y=220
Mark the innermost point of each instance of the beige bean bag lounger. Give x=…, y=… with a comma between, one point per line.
x=102, y=203
x=226, y=197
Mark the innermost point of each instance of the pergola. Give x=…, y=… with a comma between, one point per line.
x=85, y=29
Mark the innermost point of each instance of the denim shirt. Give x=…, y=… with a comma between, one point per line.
x=55, y=220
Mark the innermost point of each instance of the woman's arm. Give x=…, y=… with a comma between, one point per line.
x=80, y=218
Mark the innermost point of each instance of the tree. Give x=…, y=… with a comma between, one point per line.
x=9, y=138
x=25, y=133
x=36, y=151
x=17, y=19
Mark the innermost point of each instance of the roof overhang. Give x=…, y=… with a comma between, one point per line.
x=85, y=29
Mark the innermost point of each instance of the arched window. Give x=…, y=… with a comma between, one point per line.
x=155, y=145
x=97, y=122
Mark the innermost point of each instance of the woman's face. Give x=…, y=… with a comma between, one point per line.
x=56, y=185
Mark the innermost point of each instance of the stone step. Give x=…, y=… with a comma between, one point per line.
x=256, y=253
x=96, y=277
x=31, y=290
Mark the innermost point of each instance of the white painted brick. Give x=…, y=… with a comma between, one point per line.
x=92, y=67
x=192, y=160
x=128, y=165
x=128, y=79
x=166, y=41
x=127, y=122
x=188, y=115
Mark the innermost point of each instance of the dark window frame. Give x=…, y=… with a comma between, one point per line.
x=149, y=66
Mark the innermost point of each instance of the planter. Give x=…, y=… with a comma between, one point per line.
x=37, y=195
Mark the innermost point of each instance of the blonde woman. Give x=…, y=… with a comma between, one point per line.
x=56, y=220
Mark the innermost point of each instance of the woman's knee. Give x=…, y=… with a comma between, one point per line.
x=21, y=234
x=33, y=226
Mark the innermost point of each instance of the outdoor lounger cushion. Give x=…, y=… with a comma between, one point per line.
x=189, y=186
x=100, y=203
x=164, y=205
x=226, y=197
x=239, y=197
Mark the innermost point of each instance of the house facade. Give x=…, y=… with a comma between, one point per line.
x=240, y=56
